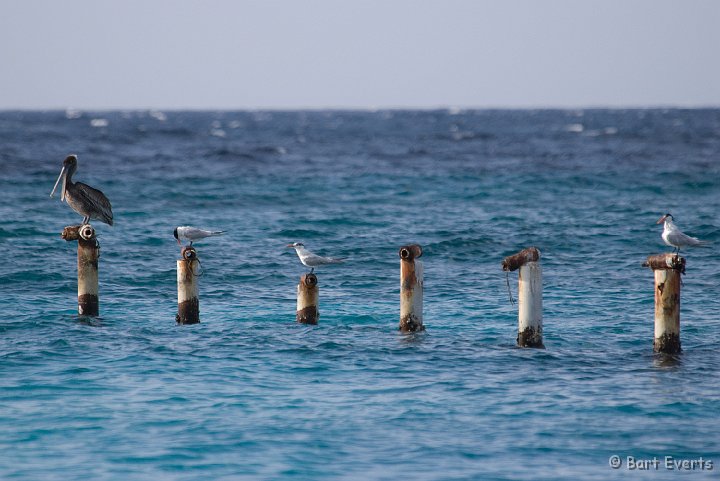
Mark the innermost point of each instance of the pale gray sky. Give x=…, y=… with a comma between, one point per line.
x=233, y=54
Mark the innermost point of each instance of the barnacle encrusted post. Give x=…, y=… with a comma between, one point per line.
x=529, y=295
x=188, y=271
x=88, y=254
x=411, y=289
x=668, y=269
x=308, y=293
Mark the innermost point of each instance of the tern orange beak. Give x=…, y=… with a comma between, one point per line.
x=661, y=219
x=289, y=245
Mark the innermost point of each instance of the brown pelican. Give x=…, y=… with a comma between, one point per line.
x=86, y=201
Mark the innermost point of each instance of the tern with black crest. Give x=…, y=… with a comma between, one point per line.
x=311, y=260
x=673, y=237
x=192, y=234
x=83, y=199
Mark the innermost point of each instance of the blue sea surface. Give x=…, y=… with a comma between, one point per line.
x=250, y=394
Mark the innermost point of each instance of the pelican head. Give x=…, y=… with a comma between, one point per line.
x=69, y=166
x=662, y=219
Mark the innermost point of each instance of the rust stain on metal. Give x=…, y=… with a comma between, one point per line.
x=188, y=253
x=89, y=250
x=410, y=252
x=308, y=315
x=188, y=272
x=666, y=262
x=530, y=337
x=409, y=279
x=188, y=312
x=516, y=261
x=309, y=280
x=71, y=233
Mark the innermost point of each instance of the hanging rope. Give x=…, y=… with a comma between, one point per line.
x=507, y=281
x=202, y=271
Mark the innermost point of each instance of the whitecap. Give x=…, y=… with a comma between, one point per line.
x=156, y=114
x=99, y=123
x=73, y=114
x=574, y=128
x=218, y=133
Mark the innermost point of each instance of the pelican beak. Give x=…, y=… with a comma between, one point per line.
x=661, y=219
x=62, y=176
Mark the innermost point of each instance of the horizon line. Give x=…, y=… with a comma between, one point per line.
x=349, y=108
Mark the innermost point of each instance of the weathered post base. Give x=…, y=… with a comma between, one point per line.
x=530, y=326
x=188, y=312
x=667, y=343
x=667, y=269
x=530, y=337
x=411, y=289
x=530, y=305
x=308, y=294
x=188, y=297
x=88, y=254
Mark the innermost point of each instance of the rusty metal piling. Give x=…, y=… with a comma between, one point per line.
x=87, y=262
x=411, y=289
x=188, y=270
x=308, y=293
x=667, y=269
x=530, y=327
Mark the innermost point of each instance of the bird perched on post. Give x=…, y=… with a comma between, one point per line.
x=83, y=199
x=194, y=234
x=673, y=237
x=312, y=260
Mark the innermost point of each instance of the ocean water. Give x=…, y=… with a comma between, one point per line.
x=250, y=394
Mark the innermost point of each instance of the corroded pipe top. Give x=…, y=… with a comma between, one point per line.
x=77, y=232
x=410, y=252
x=310, y=280
x=87, y=232
x=516, y=261
x=665, y=261
x=188, y=253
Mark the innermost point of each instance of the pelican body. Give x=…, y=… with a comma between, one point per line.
x=673, y=237
x=83, y=199
x=311, y=260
